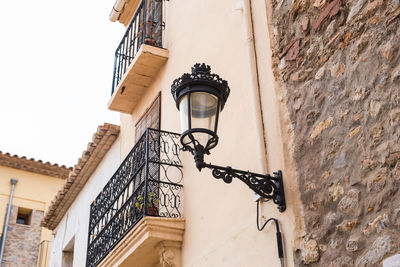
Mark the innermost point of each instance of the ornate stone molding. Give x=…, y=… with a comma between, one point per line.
x=170, y=253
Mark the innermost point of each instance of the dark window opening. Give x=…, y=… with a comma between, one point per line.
x=68, y=254
x=24, y=216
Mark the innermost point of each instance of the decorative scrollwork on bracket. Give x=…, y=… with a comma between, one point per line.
x=226, y=176
x=267, y=186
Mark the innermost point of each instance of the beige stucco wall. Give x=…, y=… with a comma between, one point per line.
x=33, y=191
x=221, y=219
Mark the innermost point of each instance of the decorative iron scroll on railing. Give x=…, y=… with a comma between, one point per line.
x=145, y=27
x=147, y=183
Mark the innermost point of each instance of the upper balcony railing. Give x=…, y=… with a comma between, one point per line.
x=144, y=28
x=147, y=183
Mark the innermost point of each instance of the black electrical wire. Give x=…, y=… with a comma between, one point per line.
x=278, y=232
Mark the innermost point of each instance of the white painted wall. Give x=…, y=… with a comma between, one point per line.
x=76, y=221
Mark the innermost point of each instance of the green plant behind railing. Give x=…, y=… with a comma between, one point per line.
x=151, y=204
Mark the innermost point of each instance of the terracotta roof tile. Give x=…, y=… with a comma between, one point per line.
x=32, y=165
x=79, y=175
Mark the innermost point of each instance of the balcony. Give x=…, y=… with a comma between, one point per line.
x=138, y=58
x=141, y=205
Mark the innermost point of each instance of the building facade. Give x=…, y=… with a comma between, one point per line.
x=26, y=242
x=310, y=94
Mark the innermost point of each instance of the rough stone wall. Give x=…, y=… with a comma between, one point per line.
x=22, y=243
x=339, y=65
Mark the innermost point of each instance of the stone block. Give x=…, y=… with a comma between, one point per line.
x=293, y=51
x=376, y=181
x=374, y=107
x=310, y=251
x=331, y=10
x=347, y=226
x=378, y=224
x=355, y=9
x=354, y=131
x=386, y=51
x=392, y=159
x=319, y=3
x=394, y=117
x=373, y=6
x=376, y=134
x=340, y=161
x=320, y=73
x=304, y=24
x=353, y=244
x=337, y=70
x=360, y=94
x=335, y=191
x=323, y=125
x=350, y=201
x=380, y=247
x=396, y=74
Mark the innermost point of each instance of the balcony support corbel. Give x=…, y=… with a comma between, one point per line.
x=170, y=253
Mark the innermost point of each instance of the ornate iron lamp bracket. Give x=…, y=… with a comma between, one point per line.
x=200, y=138
x=267, y=186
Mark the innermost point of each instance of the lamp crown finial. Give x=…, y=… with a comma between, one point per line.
x=201, y=68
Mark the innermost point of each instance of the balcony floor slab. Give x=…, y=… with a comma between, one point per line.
x=140, y=74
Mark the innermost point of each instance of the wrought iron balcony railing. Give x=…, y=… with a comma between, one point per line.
x=147, y=183
x=145, y=27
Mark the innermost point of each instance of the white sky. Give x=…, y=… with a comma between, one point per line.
x=56, y=64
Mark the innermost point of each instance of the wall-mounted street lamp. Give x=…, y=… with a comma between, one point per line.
x=200, y=96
